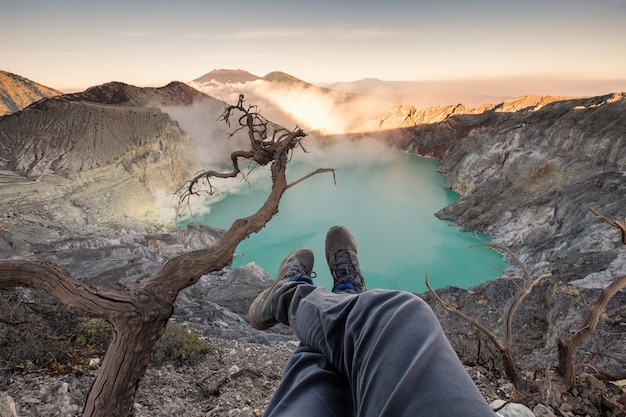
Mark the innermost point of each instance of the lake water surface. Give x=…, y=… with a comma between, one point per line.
x=387, y=199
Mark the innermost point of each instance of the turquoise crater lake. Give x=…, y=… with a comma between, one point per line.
x=386, y=198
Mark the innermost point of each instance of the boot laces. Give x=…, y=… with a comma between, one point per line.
x=297, y=271
x=344, y=269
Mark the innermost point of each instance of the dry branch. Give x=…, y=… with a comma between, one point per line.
x=505, y=347
x=139, y=313
x=620, y=225
x=567, y=347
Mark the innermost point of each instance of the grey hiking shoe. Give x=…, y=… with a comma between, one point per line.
x=295, y=268
x=341, y=255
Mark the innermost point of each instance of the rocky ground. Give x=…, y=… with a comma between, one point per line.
x=238, y=375
x=233, y=379
x=237, y=379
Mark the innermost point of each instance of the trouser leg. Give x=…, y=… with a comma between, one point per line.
x=390, y=347
x=310, y=387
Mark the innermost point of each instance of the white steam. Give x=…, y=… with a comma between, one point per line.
x=210, y=135
x=312, y=108
x=316, y=111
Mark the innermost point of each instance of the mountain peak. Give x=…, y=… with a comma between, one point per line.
x=282, y=77
x=226, y=76
x=230, y=76
x=18, y=92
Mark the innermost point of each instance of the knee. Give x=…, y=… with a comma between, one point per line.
x=395, y=304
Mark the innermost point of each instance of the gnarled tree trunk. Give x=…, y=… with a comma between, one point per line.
x=139, y=314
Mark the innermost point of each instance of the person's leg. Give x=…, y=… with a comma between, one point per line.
x=387, y=344
x=310, y=387
x=391, y=348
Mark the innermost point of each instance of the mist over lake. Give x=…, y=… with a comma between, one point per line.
x=386, y=198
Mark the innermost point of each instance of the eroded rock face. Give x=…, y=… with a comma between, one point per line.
x=528, y=170
x=111, y=153
x=72, y=134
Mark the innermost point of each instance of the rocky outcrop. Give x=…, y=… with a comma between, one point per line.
x=113, y=123
x=18, y=92
x=76, y=161
x=528, y=170
x=405, y=115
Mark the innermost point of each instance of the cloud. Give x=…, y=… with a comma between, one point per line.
x=211, y=136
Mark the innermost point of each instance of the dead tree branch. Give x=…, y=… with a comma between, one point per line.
x=620, y=225
x=567, y=347
x=505, y=346
x=310, y=174
x=139, y=313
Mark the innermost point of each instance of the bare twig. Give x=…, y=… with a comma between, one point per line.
x=310, y=174
x=567, y=347
x=505, y=347
x=620, y=225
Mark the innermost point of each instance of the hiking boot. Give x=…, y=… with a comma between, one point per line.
x=341, y=255
x=295, y=269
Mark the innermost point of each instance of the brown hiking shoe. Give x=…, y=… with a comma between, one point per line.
x=296, y=268
x=341, y=255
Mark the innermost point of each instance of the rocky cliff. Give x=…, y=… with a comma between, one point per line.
x=527, y=171
x=73, y=162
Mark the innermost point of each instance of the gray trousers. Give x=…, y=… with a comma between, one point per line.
x=378, y=353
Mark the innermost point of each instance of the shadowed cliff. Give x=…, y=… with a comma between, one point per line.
x=527, y=171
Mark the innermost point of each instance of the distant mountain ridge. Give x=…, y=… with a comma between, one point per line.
x=115, y=92
x=407, y=116
x=283, y=98
x=17, y=92
x=226, y=76
x=230, y=76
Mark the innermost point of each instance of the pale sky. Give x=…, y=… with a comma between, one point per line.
x=72, y=45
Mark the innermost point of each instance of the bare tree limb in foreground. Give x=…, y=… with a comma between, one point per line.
x=139, y=314
x=510, y=368
x=553, y=386
x=620, y=225
x=567, y=347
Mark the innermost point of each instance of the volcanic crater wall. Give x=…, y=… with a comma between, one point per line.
x=77, y=161
x=528, y=170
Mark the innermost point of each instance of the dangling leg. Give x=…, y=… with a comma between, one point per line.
x=391, y=348
x=311, y=387
x=387, y=344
